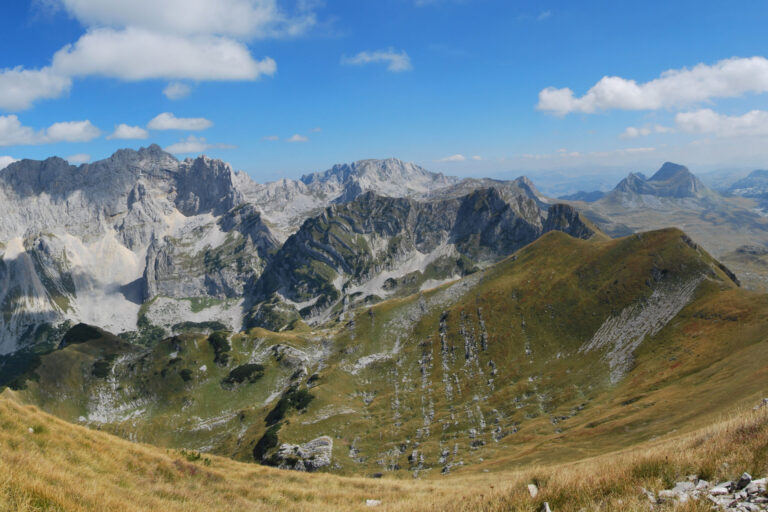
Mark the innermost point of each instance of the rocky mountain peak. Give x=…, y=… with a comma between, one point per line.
x=671, y=180
x=669, y=171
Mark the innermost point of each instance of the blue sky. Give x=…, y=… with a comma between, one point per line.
x=279, y=88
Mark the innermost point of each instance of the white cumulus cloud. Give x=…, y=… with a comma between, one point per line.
x=236, y=18
x=708, y=121
x=194, y=144
x=168, y=121
x=19, y=87
x=13, y=133
x=158, y=39
x=72, y=131
x=297, y=138
x=124, y=131
x=396, y=61
x=136, y=54
x=674, y=88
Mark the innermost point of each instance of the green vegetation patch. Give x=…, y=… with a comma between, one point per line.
x=247, y=372
x=220, y=343
x=268, y=441
x=294, y=398
x=198, y=326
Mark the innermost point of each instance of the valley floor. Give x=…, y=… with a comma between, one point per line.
x=49, y=464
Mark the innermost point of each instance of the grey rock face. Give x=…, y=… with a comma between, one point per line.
x=93, y=229
x=372, y=245
x=671, y=180
x=310, y=456
x=96, y=242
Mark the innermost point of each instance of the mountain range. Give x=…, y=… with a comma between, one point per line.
x=142, y=242
x=373, y=318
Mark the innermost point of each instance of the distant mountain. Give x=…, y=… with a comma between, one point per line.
x=754, y=185
x=286, y=203
x=587, y=197
x=671, y=180
x=674, y=196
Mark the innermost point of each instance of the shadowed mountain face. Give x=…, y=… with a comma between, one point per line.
x=375, y=247
x=143, y=244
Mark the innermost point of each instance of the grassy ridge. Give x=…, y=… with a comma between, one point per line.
x=482, y=374
x=55, y=466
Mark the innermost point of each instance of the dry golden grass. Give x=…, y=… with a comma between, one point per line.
x=59, y=466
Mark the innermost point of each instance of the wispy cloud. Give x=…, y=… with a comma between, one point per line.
x=544, y=15
x=632, y=132
x=397, y=62
x=79, y=158
x=177, y=90
x=194, y=144
x=453, y=158
x=271, y=138
x=297, y=138
x=13, y=133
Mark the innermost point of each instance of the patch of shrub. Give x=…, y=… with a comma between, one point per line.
x=300, y=399
x=294, y=398
x=221, y=347
x=278, y=412
x=250, y=372
x=18, y=368
x=268, y=441
x=198, y=326
x=101, y=368
x=185, y=374
x=193, y=456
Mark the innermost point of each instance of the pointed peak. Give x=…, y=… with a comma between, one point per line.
x=669, y=170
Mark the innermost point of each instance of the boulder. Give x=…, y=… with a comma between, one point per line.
x=310, y=456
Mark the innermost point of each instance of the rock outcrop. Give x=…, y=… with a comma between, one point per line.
x=310, y=456
x=743, y=494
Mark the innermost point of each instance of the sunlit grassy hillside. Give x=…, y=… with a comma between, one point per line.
x=50, y=465
x=567, y=350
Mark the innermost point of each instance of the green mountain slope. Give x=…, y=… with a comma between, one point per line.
x=567, y=348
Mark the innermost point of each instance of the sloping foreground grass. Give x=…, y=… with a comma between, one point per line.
x=48, y=464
